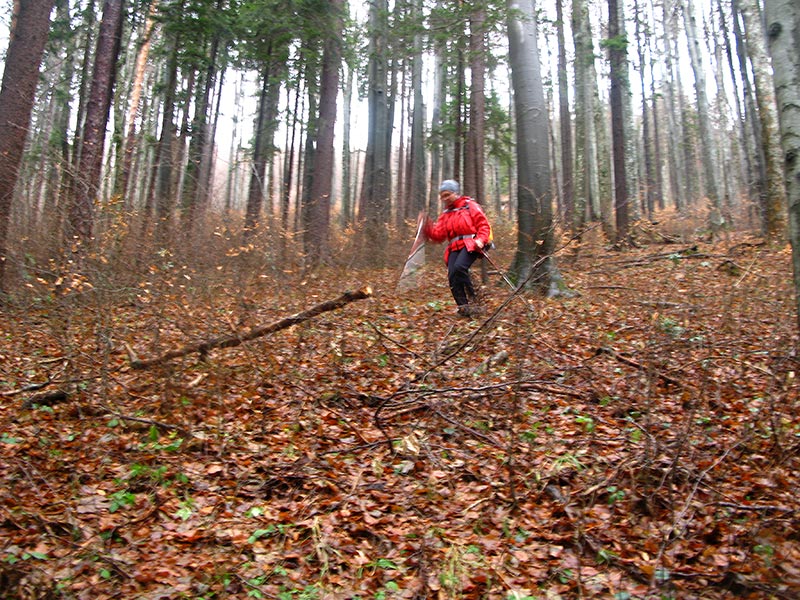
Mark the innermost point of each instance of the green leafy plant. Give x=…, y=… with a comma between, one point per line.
x=389, y=587
x=121, y=499
x=587, y=422
x=614, y=495
x=7, y=439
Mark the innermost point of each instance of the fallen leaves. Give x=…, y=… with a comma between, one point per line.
x=345, y=458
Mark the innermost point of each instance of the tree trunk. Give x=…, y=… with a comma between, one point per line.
x=322, y=183
x=616, y=54
x=475, y=154
x=262, y=146
x=27, y=39
x=587, y=188
x=81, y=217
x=374, y=199
x=158, y=192
x=774, y=208
x=754, y=145
x=417, y=193
x=534, y=265
x=648, y=181
x=134, y=104
x=565, y=122
x=695, y=51
x=677, y=191
x=742, y=151
x=347, y=167
x=193, y=182
x=783, y=31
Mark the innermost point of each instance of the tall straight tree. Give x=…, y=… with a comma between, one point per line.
x=322, y=178
x=648, y=182
x=774, y=208
x=90, y=165
x=267, y=30
x=27, y=39
x=475, y=153
x=533, y=262
x=783, y=31
x=588, y=187
x=617, y=48
x=210, y=31
x=374, y=199
x=134, y=103
x=750, y=121
x=565, y=123
x=703, y=119
x=417, y=163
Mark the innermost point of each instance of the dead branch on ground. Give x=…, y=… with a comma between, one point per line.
x=230, y=341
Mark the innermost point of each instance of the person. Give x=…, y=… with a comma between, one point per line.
x=465, y=228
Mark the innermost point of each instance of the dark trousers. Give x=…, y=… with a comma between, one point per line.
x=458, y=264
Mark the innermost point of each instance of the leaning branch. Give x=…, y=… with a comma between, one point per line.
x=229, y=341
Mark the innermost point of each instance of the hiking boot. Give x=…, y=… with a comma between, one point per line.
x=464, y=311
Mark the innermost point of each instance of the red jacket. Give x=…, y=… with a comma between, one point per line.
x=460, y=225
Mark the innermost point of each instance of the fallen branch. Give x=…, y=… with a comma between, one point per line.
x=628, y=361
x=230, y=341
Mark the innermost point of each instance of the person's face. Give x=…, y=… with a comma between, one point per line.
x=447, y=197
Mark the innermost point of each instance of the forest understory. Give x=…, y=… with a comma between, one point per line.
x=638, y=440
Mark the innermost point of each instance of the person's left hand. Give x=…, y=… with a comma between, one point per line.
x=479, y=243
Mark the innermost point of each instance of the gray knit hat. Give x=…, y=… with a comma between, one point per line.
x=450, y=185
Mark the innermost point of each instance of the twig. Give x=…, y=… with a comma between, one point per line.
x=637, y=365
x=152, y=422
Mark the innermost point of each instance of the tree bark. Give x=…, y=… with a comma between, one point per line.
x=27, y=39
x=417, y=164
x=374, y=200
x=695, y=51
x=774, y=208
x=783, y=32
x=90, y=165
x=565, y=123
x=322, y=183
x=475, y=153
x=617, y=47
x=533, y=263
x=587, y=187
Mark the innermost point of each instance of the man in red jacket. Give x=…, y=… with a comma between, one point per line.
x=465, y=228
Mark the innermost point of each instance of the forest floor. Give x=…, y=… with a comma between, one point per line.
x=640, y=439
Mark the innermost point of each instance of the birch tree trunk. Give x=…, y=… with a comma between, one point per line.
x=742, y=150
x=774, y=208
x=677, y=173
x=695, y=51
x=783, y=32
x=755, y=148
